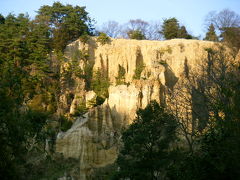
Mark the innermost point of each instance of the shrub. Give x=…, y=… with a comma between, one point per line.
x=120, y=79
x=64, y=123
x=84, y=38
x=100, y=84
x=103, y=38
x=136, y=34
x=139, y=68
x=80, y=110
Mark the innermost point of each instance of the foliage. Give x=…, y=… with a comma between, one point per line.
x=226, y=23
x=231, y=36
x=26, y=75
x=100, y=84
x=182, y=33
x=64, y=123
x=84, y=38
x=53, y=167
x=211, y=34
x=18, y=132
x=80, y=110
x=2, y=19
x=171, y=30
x=105, y=173
x=139, y=29
x=120, y=79
x=139, y=65
x=136, y=34
x=138, y=71
x=103, y=38
x=88, y=74
x=223, y=19
x=147, y=144
x=76, y=55
x=67, y=23
x=216, y=158
x=216, y=151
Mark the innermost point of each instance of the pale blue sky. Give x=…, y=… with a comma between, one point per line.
x=191, y=13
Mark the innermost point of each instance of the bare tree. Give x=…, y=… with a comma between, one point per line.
x=227, y=24
x=112, y=29
x=224, y=19
x=202, y=95
x=149, y=30
x=138, y=24
x=153, y=31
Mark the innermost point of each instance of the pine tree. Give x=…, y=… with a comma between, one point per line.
x=2, y=19
x=170, y=28
x=67, y=23
x=182, y=33
x=211, y=34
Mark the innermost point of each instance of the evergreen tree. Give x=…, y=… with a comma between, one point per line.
x=182, y=33
x=136, y=34
x=146, y=144
x=170, y=28
x=211, y=34
x=67, y=23
x=2, y=19
x=231, y=36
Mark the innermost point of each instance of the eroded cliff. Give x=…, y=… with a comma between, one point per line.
x=136, y=71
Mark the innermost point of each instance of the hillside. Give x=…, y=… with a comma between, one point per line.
x=137, y=73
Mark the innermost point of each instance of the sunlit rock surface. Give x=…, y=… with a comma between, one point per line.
x=94, y=139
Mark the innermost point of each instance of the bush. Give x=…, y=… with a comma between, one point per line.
x=84, y=38
x=65, y=124
x=80, y=110
x=147, y=144
x=121, y=75
x=136, y=34
x=100, y=84
x=138, y=71
x=103, y=38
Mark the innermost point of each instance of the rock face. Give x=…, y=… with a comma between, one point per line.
x=150, y=67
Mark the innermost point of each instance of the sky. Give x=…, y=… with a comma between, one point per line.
x=190, y=13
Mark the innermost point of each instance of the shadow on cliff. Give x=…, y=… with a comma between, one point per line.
x=170, y=78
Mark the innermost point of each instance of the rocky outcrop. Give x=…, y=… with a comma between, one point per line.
x=150, y=67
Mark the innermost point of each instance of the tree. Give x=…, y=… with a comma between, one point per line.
x=153, y=31
x=103, y=38
x=216, y=151
x=67, y=23
x=134, y=29
x=2, y=19
x=227, y=23
x=231, y=35
x=211, y=34
x=112, y=29
x=170, y=28
x=136, y=34
x=147, y=143
x=138, y=24
x=223, y=19
x=137, y=29
x=182, y=33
